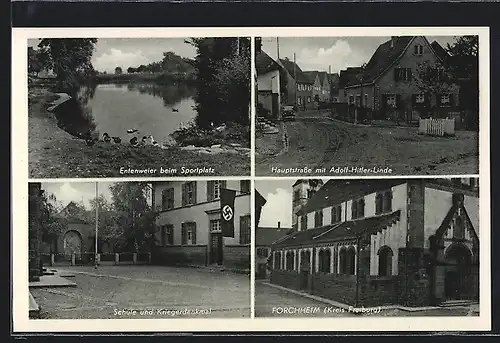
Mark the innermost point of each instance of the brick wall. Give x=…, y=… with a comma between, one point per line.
x=341, y=288
x=237, y=256
x=416, y=195
x=180, y=255
x=414, y=287
x=374, y=291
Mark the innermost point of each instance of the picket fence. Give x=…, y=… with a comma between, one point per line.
x=437, y=127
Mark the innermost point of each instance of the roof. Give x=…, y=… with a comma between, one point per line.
x=289, y=66
x=440, y=52
x=311, y=75
x=349, y=76
x=333, y=78
x=445, y=225
x=323, y=75
x=342, y=231
x=265, y=64
x=335, y=192
x=268, y=235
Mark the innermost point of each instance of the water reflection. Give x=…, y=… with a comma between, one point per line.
x=171, y=94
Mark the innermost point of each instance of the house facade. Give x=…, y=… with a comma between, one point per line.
x=303, y=190
x=324, y=81
x=388, y=83
x=268, y=84
x=264, y=238
x=189, y=224
x=299, y=86
x=379, y=242
x=333, y=81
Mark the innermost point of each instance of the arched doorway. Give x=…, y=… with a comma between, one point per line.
x=305, y=267
x=72, y=243
x=456, y=281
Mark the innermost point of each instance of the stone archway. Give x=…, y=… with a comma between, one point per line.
x=72, y=243
x=457, y=278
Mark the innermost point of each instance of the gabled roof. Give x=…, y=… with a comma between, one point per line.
x=311, y=75
x=323, y=75
x=445, y=225
x=341, y=231
x=334, y=192
x=269, y=235
x=349, y=76
x=440, y=52
x=265, y=64
x=289, y=66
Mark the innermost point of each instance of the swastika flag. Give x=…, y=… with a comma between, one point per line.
x=227, y=212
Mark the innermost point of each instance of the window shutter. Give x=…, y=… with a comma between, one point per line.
x=410, y=76
x=194, y=192
x=210, y=190
x=396, y=74
x=398, y=100
x=451, y=100
x=183, y=234
x=438, y=99
x=193, y=229
x=184, y=194
x=171, y=235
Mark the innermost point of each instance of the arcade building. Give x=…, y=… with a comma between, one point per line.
x=412, y=242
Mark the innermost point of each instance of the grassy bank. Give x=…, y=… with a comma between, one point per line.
x=54, y=153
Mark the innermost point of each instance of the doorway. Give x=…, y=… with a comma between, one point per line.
x=216, y=248
x=457, y=276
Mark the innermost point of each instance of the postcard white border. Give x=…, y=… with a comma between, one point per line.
x=19, y=128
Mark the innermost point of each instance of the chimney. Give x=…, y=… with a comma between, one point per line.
x=279, y=225
x=394, y=39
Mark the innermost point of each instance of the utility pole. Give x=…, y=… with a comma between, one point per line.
x=278, y=47
x=96, y=222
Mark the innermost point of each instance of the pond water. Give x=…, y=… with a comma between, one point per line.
x=149, y=108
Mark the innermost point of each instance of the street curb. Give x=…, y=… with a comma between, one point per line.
x=357, y=310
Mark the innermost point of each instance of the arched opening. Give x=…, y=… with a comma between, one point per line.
x=343, y=261
x=277, y=260
x=72, y=243
x=351, y=261
x=457, y=277
x=385, y=261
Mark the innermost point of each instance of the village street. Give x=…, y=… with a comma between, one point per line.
x=113, y=292
x=274, y=302
x=315, y=141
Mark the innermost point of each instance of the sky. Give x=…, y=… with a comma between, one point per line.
x=318, y=53
x=132, y=52
x=278, y=208
x=76, y=191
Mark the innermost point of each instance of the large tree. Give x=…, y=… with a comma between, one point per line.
x=108, y=232
x=51, y=223
x=68, y=58
x=220, y=64
x=134, y=215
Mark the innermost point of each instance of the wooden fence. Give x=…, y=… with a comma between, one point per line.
x=437, y=127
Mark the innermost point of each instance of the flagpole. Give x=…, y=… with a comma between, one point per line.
x=96, y=223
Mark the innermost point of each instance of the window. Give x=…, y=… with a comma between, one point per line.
x=189, y=193
x=391, y=100
x=351, y=99
x=459, y=228
x=318, y=218
x=262, y=252
x=445, y=99
x=383, y=202
x=188, y=232
x=365, y=103
x=299, y=100
x=167, y=235
x=215, y=225
x=245, y=230
x=167, y=199
x=358, y=208
x=358, y=100
x=303, y=222
x=402, y=74
x=310, y=193
x=336, y=214
x=245, y=186
x=418, y=50
x=213, y=189
x=385, y=261
x=308, y=99
x=324, y=258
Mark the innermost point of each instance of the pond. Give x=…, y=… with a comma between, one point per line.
x=150, y=109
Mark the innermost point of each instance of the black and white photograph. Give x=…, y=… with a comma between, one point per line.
x=139, y=250
x=397, y=105
x=133, y=107
x=367, y=247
